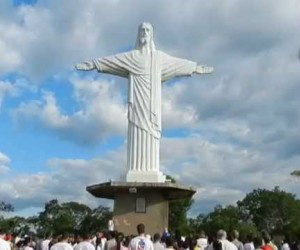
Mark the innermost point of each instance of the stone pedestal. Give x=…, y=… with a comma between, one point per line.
x=145, y=176
x=137, y=202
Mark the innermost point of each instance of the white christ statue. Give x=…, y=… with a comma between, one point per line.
x=145, y=68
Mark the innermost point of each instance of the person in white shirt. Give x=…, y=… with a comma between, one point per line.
x=222, y=238
x=235, y=240
x=28, y=243
x=249, y=244
x=4, y=245
x=111, y=244
x=202, y=241
x=85, y=244
x=285, y=245
x=140, y=242
x=156, y=242
x=62, y=243
x=45, y=242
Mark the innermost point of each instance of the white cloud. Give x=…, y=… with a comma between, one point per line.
x=66, y=181
x=4, y=163
x=7, y=89
x=101, y=114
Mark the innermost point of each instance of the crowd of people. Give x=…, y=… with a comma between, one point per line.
x=113, y=240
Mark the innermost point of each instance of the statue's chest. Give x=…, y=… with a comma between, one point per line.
x=143, y=63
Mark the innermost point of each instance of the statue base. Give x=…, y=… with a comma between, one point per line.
x=137, y=202
x=145, y=176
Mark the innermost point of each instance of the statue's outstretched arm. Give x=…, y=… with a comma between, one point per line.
x=202, y=69
x=85, y=66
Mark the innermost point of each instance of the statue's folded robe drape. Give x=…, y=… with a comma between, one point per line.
x=145, y=73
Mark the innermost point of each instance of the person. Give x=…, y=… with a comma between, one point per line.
x=170, y=243
x=156, y=242
x=28, y=243
x=53, y=241
x=285, y=245
x=99, y=241
x=46, y=241
x=111, y=243
x=202, y=240
x=4, y=245
x=267, y=242
x=120, y=242
x=111, y=225
x=235, y=240
x=9, y=239
x=216, y=245
x=249, y=243
x=62, y=243
x=126, y=242
x=226, y=244
x=85, y=244
x=257, y=242
x=145, y=68
x=140, y=242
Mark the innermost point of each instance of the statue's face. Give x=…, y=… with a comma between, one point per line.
x=145, y=33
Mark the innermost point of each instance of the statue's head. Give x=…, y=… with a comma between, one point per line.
x=145, y=36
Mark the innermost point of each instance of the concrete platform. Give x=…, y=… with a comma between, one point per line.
x=170, y=191
x=136, y=202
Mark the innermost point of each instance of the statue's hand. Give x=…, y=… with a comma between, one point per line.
x=201, y=69
x=85, y=66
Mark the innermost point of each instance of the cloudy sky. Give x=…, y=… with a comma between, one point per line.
x=225, y=133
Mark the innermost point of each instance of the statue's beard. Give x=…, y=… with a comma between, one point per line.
x=144, y=41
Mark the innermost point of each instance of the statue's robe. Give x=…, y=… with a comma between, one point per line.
x=145, y=73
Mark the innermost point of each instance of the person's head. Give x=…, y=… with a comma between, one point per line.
x=156, y=237
x=113, y=234
x=169, y=242
x=20, y=244
x=86, y=237
x=2, y=233
x=249, y=238
x=266, y=237
x=202, y=234
x=286, y=239
x=27, y=241
x=48, y=235
x=145, y=36
x=217, y=245
x=99, y=234
x=140, y=228
x=8, y=237
x=119, y=237
x=257, y=242
x=63, y=237
x=185, y=244
x=235, y=234
x=71, y=239
x=221, y=234
x=127, y=241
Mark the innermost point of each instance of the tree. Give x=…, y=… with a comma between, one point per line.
x=178, y=220
x=227, y=218
x=6, y=207
x=72, y=217
x=274, y=210
x=97, y=220
x=296, y=173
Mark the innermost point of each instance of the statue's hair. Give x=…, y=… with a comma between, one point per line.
x=152, y=45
